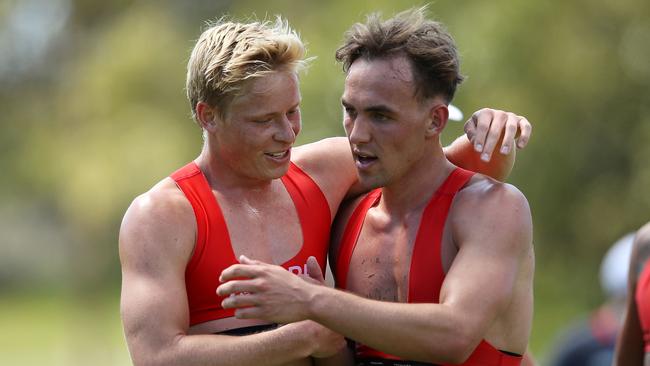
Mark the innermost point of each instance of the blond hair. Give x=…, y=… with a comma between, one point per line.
x=228, y=54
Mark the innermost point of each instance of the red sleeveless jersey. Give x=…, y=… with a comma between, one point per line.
x=642, y=297
x=426, y=273
x=213, y=251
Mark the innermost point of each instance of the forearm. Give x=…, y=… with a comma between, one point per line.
x=285, y=345
x=405, y=330
x=461, y=153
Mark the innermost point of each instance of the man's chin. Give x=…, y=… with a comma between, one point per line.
x=371, y=181
x=278, y=172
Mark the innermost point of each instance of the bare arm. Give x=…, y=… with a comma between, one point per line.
x=629, y=348
x=156, y=241
x=487, y=130
x=477, y=289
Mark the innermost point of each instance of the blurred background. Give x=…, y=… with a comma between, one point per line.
x=93, y=112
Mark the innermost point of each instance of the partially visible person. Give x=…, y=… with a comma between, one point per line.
x=437, y=262
x=633, y=346
x=591, y=341
x=249, y=192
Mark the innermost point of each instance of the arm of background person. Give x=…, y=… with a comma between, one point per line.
x=478, y=287
x=156, y=241
x=630, y=347
x=486, y=131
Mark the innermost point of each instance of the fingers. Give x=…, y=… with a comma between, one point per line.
x=510, y=133
x=470, y=129
x=525, y=129
x=237, y=287
x=313, y=270
x=499, y=119
x=241, y=270
x=486, y=126
x=238, y=301
x=482, y=120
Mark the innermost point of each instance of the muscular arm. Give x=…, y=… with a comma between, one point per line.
x=629, y=348
x=156, y=241
x=478, y=288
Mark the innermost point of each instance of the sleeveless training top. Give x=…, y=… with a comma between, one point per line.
x=426, y=274
x=642, y=296
x=213, y=251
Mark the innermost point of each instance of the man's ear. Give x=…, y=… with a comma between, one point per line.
x=438, y=116
x=207, y=116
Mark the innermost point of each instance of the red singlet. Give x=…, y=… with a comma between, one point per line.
x=643, y=303
x=213, y=251
x=426, y=274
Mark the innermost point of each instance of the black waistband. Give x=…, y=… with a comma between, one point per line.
x=383, y=362
x=249, y=330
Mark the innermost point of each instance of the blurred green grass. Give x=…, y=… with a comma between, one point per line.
x=46, y=329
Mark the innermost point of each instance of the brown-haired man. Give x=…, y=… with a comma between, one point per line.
x=442, y=258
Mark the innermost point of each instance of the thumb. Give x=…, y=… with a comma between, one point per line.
x=313, y=269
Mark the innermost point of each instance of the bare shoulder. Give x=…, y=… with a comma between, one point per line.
x=317, y=156
x=483, y=193
x=329, y=163
x=488, y=208
x=327, y=158
x=159, y=225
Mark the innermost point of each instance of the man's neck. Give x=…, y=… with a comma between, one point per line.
x=414, y=190
x=222, y=177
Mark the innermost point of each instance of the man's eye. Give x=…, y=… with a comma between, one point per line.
x=380, y=117
x=350, y=112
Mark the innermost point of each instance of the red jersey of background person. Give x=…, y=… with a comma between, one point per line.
x=643, y=303
x=426, y=273
x=213, y=250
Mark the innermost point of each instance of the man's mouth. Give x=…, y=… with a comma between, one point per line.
x=279, y=154
x=364, y=159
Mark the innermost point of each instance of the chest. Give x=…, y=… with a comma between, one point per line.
x=382, y=263
x=266, y=229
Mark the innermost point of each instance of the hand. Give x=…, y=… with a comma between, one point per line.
x=264, y=291
x=326, y=342
x=486, y=126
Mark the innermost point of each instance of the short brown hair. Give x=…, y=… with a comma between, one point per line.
x=426, y=43
x=228, y=54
